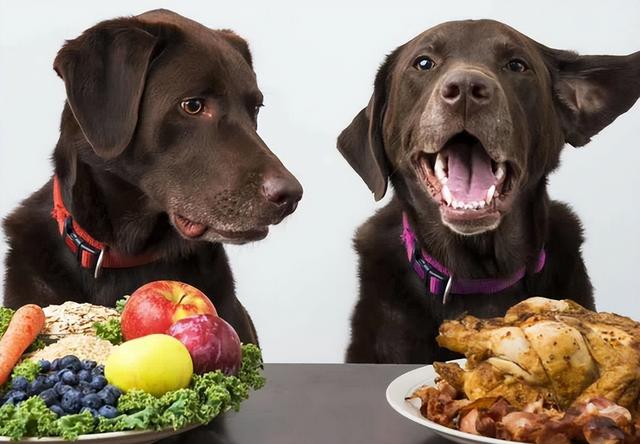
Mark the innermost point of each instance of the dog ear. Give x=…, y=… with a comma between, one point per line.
x=362, y=143
x=592, y=91
x=239, y=44
x=104, y=72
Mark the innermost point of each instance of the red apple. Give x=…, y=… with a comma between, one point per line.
x=212, y=343
x=155, y=306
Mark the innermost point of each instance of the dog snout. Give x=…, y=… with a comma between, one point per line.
x=283, y=191
x=467, y=88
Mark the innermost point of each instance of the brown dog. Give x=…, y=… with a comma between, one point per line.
x=467, y=120
x=158, y=164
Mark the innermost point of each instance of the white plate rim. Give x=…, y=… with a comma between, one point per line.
x=107, y=436
x=406, y=384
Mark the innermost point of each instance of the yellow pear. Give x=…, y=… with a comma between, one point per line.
x=156, y=364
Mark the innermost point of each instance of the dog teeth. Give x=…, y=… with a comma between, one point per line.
x=490, y=192
x=459, y=205
x=439, y=168
x=500, y=171
x=446, y=194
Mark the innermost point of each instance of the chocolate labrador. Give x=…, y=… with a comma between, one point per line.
x=467, y=120
x=158, y=164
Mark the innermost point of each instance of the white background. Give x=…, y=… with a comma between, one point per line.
x=315, y=65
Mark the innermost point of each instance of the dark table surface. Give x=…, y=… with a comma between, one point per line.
x=316, y=403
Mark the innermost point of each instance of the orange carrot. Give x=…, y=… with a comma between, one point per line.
x=24, y=328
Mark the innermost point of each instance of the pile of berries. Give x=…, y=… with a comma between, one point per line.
x=68, y=386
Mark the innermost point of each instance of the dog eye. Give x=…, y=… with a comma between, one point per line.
x=517, y=65
x=192, y=106
x=256, y=110
x=424, y=63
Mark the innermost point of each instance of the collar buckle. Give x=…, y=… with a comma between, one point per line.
x=81, y=247
x=447, y=291
x=428, y=272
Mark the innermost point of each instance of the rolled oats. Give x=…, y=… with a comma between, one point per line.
x=73, y=318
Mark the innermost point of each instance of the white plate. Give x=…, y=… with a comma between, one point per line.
x=404, y=385
x=133, y=437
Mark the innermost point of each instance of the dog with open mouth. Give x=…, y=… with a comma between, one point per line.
x=158, y=165
x=467, y=120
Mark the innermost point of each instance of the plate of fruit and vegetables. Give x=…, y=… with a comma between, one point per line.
x=62, y=381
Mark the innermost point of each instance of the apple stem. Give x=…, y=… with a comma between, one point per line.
x=181, y=299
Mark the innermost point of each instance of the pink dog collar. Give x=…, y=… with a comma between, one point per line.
x=439, y=280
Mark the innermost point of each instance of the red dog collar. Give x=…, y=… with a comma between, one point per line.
x=440, y=281
x=91, y=254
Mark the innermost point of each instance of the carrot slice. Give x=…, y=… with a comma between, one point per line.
x=25, y=326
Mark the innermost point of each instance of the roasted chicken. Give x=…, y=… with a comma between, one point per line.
x=542, y=349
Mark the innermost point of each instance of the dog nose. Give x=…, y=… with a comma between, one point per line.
x=471, y=87
x=284, y=192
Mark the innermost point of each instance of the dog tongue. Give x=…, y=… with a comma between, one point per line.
x=470, y=172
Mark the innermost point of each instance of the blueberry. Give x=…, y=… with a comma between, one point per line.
x=50, y=381
x=87, y=391
x=88, y=365
x=55, y=365
x=61, y=388
x=18, y=396
x=114, y=390
x=108, y=411
x=8, y=400
x=84, y=375
x=36, y=386
x=71, y=401
x=92, y=401
x=50, y=397
x=98, y=370
x=98, y=382
x=107, y=397
x=69, y=378
x=55, y=408
x=20, y=383
x=71, y=362
x=45, y=366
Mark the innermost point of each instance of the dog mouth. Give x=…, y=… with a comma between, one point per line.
x=467, y=182
x=193, y=230
x=189, y=228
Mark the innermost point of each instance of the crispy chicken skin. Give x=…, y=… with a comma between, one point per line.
x=542, y=348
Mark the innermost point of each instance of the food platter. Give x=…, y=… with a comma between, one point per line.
x=134, y=437
x=111, y=384
x=404, y=385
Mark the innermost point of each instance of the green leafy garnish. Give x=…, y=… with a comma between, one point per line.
x=31, y=418
x=71, y=426
x=27, y=368
x=135, y=400
x=5, y=317
x=109, y=331
x=206, y=397
x=140, y=420
x=120, y=303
